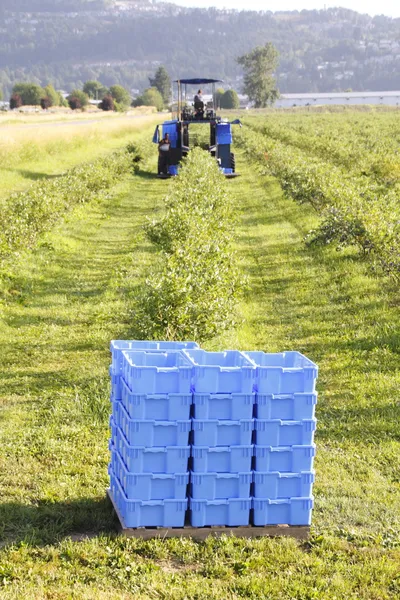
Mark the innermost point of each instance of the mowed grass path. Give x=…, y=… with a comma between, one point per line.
x=73, y=297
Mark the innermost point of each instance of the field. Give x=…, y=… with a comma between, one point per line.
x=334, y=299
x=34, y=147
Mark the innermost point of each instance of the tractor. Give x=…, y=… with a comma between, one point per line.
x=188, y=115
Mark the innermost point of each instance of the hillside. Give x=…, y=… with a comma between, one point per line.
x=70, y=41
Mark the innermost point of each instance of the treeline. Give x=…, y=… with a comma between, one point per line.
x=114, y=98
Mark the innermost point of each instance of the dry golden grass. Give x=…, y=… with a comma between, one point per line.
x=45, y=146
x=33, y=141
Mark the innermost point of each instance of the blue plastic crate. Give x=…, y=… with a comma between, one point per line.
x=222, y=433
x=284, y=372
x=153, y=460
x=118, y=346
x=157, y=407
x=116, y=385
x=151, y=486
x=228, y=459
x=232, y=512
x=223, y=406
x=228, y=372
x=117, y=413
x=292, y=511
x=113, y=428
x=216, y=486
x=155, y=433
x=147, y=513
x=291, y=459
x=114, y=462
x=276, y=432
x=287, y=407
x=283, y=485
x=157, y=372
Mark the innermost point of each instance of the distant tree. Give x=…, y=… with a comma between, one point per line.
x=150, y=97
x=94, y=89
x=120, y=95
x=52, y=95
x=107, y=103
x=219, y=92
x=15, y=101
x=162, y=82
x=61, y=100
x=30, y=93
x=1, y=95
x=230, y=99
x=45, y=102
x=77, y=99
x=259, y=66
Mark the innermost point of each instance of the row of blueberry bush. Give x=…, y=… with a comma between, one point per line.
x=192, y=287
x=355, y=210
x=27, y=215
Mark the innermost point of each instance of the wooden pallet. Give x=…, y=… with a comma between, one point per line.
x=201, y=533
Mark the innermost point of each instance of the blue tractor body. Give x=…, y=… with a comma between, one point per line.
x=178, y=130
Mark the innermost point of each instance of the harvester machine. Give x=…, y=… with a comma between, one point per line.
x=189, y=115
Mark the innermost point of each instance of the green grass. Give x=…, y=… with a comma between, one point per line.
x=31, y=152
x=73, y=295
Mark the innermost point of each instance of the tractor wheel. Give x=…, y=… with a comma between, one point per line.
x=233, y=162
x=186, y=136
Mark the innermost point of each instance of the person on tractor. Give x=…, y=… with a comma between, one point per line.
x=199, y=105
x=164, y=148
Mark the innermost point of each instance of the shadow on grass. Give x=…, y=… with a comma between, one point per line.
x=34, y=175
x=148, y=175
x=49, y=522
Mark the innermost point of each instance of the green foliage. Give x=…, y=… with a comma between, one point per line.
x=162, y=82
x=192, y=289
x=120, y=95
x=52, y=95
x=30, y=93
x=1, y=94
x=137, y=154
x=150, y=97
x=61, y=100
x=219, y=92
x=94, y=89
x=259, y=67
x=229, y=100
x=358, y=204
x=28, y=214
x=78, y=100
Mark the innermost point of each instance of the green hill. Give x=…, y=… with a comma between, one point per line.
x=70, y=41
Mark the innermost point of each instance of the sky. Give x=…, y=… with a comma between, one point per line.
x=390, y=8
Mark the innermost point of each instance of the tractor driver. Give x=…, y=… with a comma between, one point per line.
x=199, y=104
x=164, y=148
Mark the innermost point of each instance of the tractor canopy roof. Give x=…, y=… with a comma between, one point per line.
x=198, y=81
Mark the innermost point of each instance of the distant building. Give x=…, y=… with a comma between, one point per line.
x=349, y=98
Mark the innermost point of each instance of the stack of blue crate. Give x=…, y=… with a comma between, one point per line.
x=284, y=434
x=222, y=429
x=150, y=426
